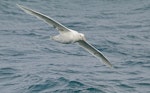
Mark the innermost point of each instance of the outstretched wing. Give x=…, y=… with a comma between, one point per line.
x=91, y=49
x=61, y=28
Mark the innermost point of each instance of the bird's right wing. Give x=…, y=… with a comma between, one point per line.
x=61, y=28
x=91, y=49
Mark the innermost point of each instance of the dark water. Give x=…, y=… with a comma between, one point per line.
x=32, y=63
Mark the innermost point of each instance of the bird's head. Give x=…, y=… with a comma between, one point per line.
x=81, y=36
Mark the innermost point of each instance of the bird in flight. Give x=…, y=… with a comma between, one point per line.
x=66, y=35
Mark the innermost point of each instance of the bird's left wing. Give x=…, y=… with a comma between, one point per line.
x=61, y=28
x=95, y=52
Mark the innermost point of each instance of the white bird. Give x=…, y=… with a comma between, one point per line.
x=67, y=35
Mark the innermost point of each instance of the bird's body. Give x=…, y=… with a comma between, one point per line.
x=67, y=36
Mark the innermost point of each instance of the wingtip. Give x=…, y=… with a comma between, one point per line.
x=107, y=62
x=25, y=9
x=111, y=66
x=18, y=5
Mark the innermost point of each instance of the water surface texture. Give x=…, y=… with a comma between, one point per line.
x=32, y=63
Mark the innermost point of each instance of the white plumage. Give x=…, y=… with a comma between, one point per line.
x=67, y=35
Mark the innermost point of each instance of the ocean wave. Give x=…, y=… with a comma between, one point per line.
x=31, y=63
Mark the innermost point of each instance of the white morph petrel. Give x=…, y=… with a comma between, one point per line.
x=66, y=35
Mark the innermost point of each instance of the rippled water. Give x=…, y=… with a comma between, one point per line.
x=32, y=63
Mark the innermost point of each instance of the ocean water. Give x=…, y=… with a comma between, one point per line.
x=32, y=63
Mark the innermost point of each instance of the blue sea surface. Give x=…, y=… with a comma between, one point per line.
x=32, y=63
